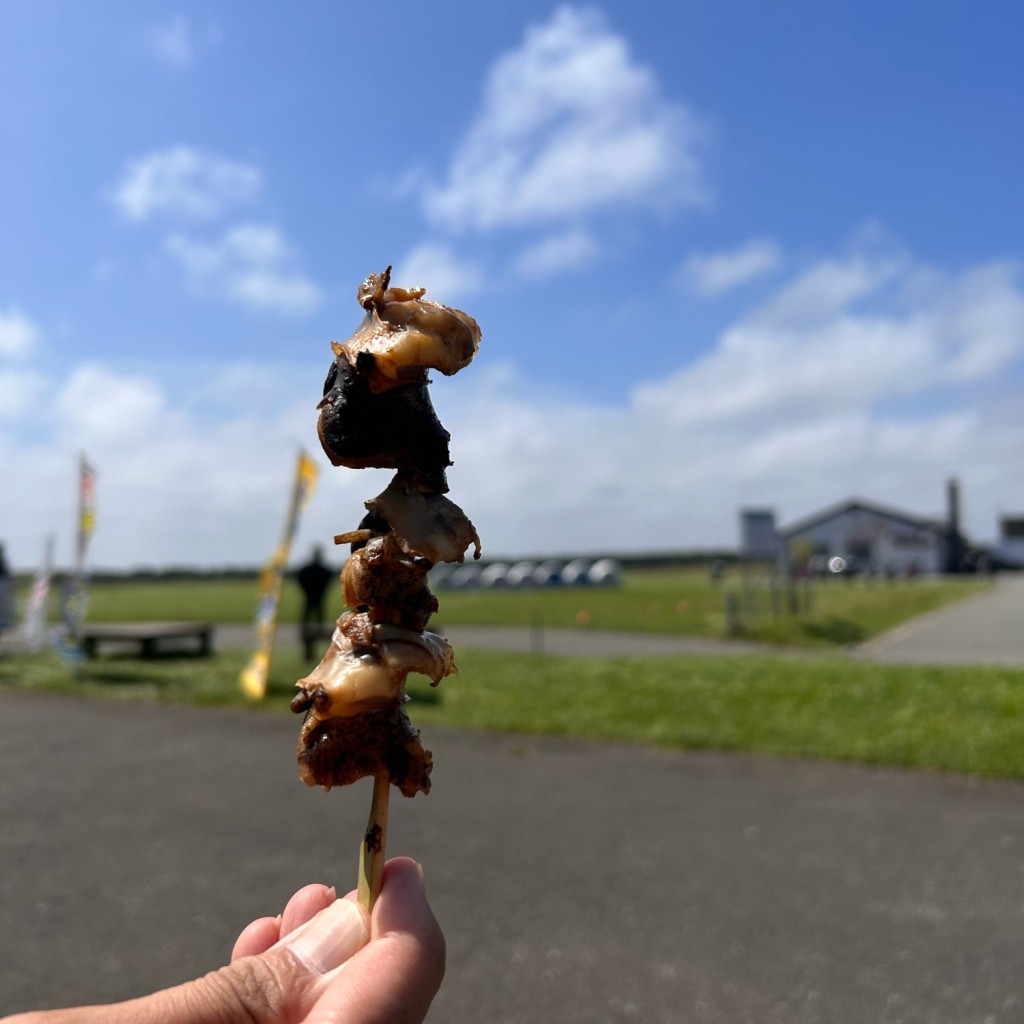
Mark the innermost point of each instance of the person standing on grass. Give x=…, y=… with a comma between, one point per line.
x=6, y=594
x=313, y=579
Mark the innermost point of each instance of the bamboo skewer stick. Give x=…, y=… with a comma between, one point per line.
x=372, y=848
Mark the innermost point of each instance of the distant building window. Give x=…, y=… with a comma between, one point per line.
x=909, y=541
x=758, y=537
x=1013, y=528
x=860, y=550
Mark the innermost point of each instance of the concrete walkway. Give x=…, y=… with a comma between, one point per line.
x=547, y=640
x=577, y=883
x=986, y=629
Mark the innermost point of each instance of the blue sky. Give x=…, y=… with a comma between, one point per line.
x=722, y=254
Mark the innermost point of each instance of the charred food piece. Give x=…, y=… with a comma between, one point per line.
x=355, y=722
x=407, y=334
x=395, y=429
x=409, y=530
x=367, y=663
x=425, y=524
x=376, y=410
x=338, y=751
x=389, y=584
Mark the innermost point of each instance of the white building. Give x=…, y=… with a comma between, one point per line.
x=1010, y=549
x=759, y=537
x=870, y=537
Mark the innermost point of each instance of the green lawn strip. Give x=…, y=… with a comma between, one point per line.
x=955, y=719
x=214, y=600
x=686, y=602
x=850, y=611
x=682, y=602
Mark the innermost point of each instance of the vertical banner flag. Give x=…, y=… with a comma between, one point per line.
x=34, y=625
x=254, y=676
x=75, y=598
x=86, y=512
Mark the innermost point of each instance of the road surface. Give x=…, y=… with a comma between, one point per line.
x=576, y=882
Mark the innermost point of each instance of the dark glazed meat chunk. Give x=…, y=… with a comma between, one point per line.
x=396, y=429
x=338, y=751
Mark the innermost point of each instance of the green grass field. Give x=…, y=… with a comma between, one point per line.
x=955, y=719
x=686, y=602
x=651, y=601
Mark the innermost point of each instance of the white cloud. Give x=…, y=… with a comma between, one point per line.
x=438, y=268
x=542, y=477
x=272, y=290
x=21, y=391
x=173, y=42
x=174, y=484
x=983, y=315
x=21, y=386
x=18, y=334
x=178, y=42
x=713, y=273
x=569, y=250
x=570, y=123
x=251, y=265
x=831, y=286
x=834, y=340
x=184, y=183
x=108, y=408
x=793, y=407
x=859, y=376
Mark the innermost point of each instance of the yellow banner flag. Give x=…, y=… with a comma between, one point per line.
x=256, y=673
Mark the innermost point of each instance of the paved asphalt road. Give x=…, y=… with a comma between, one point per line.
x=576, y=882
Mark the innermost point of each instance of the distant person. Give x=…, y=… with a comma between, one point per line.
x=313, y=579
x=6, y=594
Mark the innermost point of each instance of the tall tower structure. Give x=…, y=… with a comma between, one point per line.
x=956, y=546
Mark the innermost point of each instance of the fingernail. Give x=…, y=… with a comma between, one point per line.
x=423, y=877
x=332, y=937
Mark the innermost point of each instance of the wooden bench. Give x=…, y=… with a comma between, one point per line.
x=150, y=637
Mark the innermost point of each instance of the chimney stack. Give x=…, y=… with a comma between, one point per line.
x=956, y=546
x=953, y=506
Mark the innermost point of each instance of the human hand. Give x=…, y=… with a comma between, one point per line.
x=321, y=962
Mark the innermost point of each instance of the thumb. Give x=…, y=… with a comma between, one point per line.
x=281, y=984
